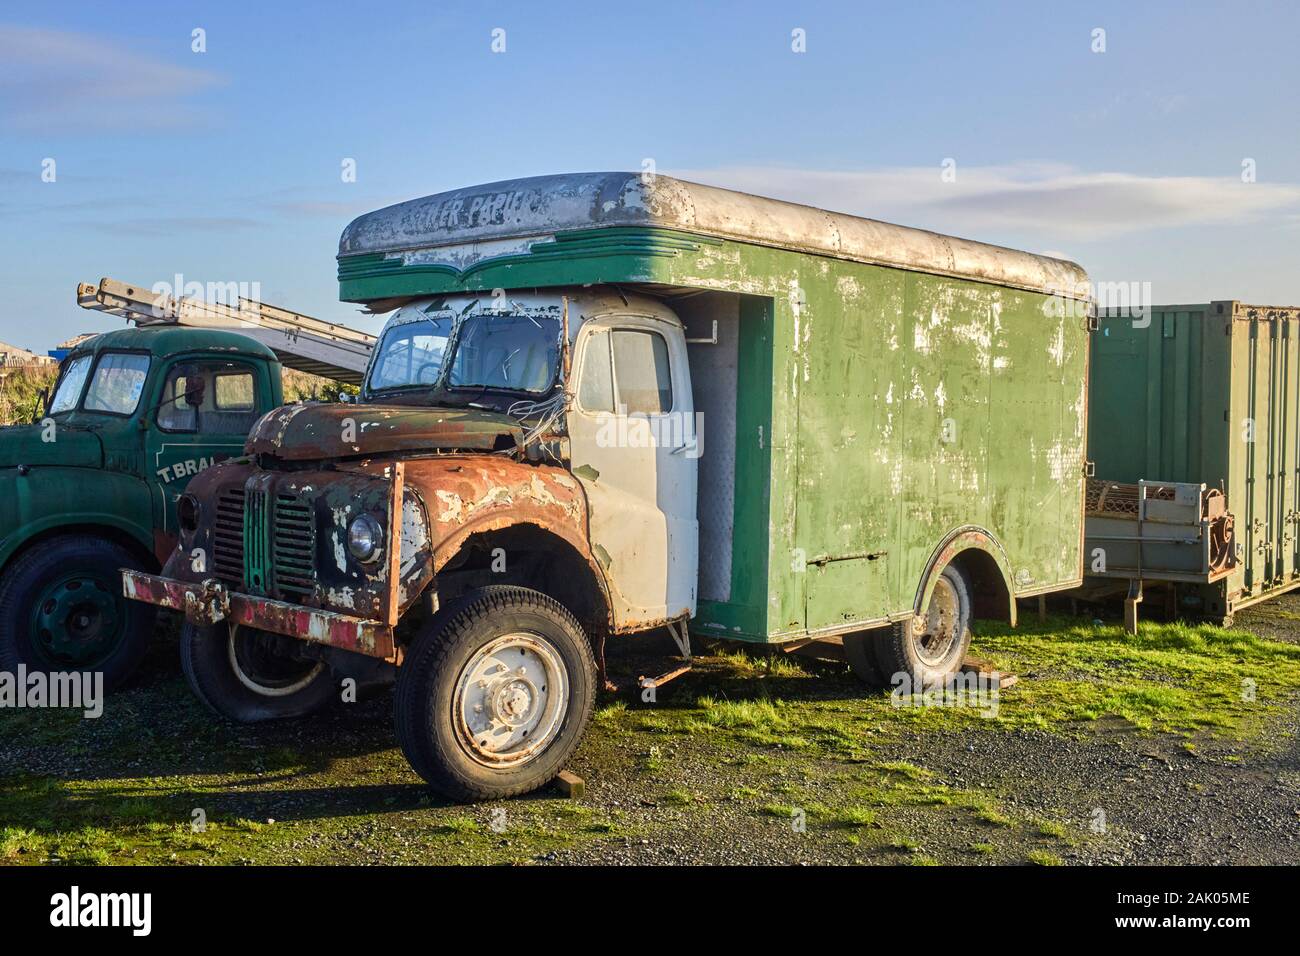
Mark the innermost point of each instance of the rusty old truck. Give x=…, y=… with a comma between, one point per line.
x=608, y=403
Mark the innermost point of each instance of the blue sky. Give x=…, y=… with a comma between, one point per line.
x=225, y=166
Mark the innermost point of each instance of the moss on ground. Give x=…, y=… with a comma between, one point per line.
x=784, y=746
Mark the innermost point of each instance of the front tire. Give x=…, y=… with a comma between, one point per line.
x=244, y=676
x=62, y=610
x=931, y=647
x=495, y=694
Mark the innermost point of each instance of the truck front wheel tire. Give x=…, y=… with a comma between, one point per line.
x=242, y=676
x=62, y=610
x=495, y=694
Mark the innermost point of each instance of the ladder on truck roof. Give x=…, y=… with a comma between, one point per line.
x=298, y=341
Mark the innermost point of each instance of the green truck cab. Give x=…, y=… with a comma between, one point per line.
x=91, y=486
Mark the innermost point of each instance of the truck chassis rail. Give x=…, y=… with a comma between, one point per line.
x=210, y=602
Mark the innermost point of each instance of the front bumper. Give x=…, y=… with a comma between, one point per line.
x=209, y=602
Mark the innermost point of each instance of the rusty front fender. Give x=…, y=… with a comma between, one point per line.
x=475, y=494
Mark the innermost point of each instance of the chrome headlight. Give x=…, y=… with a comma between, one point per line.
x=365, y=538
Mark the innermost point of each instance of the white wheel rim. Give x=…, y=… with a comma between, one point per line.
x=510, y=701
x=935, y=634
x=267, y=690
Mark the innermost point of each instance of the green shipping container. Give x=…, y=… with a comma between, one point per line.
x=1208, y=394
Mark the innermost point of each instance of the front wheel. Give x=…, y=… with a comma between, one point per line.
x=246, y=675
x=495, y=694
x=62, y=610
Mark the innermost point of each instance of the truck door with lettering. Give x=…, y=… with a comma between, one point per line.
x=204, y=413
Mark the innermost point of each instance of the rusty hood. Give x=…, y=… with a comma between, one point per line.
x=308, y=432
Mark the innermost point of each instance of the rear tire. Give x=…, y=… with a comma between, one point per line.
x=62, y=610
x=860, y=651
x=495, y=694
x=932, y=646
x=244, y=679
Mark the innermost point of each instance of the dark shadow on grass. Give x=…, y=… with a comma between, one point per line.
x=49, y=807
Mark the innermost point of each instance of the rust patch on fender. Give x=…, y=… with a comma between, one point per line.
x=464, y=495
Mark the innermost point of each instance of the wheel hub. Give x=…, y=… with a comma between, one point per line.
x=77, y=621
x=510, y=700
x=514, y=700
x=935, y=632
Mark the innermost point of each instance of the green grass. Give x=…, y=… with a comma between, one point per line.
x=992, y=817
x=1172, y=676
x=747, y=714
x=678, y=798
x=19, y=388
x=905, y=769
x=458, y=825
x=1043, y=858
x=856, y=817
x=742, y=733
x=1054, y=830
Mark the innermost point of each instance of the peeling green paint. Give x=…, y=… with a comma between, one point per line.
x=880, y=412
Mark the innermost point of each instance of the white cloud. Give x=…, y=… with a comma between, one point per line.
x=1048, y=201
x=57, y=80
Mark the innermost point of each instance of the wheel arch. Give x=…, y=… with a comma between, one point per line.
x=119, y=532
x=977, y=552
x=571, y=574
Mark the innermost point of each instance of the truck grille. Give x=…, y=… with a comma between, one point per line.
x=265, y=544
x=228, y=538
x=294, y=547
x=256, y=571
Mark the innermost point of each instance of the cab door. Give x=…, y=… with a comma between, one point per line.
x=204, y=412
x=635, y=447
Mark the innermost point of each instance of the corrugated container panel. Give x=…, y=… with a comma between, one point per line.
x=1209, y=394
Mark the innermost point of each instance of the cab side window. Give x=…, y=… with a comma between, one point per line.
x=626, y=370
x=596, y=388
x=209, y=398
x=641, y=371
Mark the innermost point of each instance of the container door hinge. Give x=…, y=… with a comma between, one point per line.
x=1089, y=468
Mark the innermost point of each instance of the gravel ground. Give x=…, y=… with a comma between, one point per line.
x=339, y=792
x=1142, y=799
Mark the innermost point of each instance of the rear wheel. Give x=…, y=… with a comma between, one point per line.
x=860, y=651
x=245, y=675
x=931, y=646
x=495, y=694
x=62, y=610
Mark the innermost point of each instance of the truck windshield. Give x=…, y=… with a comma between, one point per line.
x=69, y=390
x=117, y=384
x=511, y=352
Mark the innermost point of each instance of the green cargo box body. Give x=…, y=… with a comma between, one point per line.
x=1209, y=394
x=882, y=396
